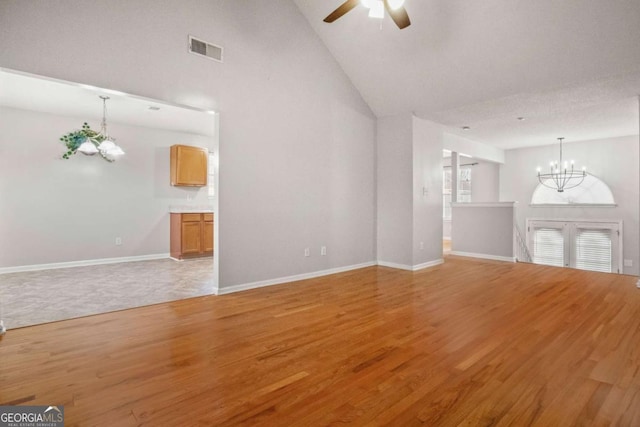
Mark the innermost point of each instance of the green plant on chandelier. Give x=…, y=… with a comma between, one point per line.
x=73, y=140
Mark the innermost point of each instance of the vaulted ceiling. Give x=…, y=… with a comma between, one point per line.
x=571, y=68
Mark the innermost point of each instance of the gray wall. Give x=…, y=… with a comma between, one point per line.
x=296, y=139
x=614, y=161
x=55, y=210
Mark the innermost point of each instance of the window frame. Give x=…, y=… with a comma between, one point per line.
x=607, y=199
x=211, y=175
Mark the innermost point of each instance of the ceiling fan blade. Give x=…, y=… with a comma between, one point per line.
x=399, y=16
x=341, y=10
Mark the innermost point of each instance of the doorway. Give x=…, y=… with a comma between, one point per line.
x=98, y=228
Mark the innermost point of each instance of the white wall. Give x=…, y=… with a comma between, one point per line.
x=485, y=181
x=427, y=175
x=485, y=185
x=446, y=229
x=296, y=139
x=56, y=210
x=395, y=189
x=485, y=178
x=409, y=161
x=483, y=230
x=614, y=161
x=472, y=148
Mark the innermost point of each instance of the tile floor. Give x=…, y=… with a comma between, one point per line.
x=35, y=297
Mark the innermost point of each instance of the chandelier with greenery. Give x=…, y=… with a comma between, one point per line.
x=89, y=142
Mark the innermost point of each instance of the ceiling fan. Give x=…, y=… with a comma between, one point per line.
x=376, y=8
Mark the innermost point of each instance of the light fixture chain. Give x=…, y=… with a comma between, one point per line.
x=103, y=127
x=561, y=139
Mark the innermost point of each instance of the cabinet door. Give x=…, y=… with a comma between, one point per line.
x=191, y=232
x=207, y=231
x=188, y=166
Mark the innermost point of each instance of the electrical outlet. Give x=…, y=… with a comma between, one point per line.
x=323, y=250
x=628, y=263
x=118, y=241
x=307, y=252
x=422, y=246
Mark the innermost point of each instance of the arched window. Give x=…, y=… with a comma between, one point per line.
x=592, y=191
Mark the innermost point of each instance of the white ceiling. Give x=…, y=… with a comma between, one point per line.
x=570, y=67
x=28, y=92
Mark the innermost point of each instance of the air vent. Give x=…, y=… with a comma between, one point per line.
x=203, y=48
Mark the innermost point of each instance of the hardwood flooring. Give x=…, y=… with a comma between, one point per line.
x=469, y=342
x=446, y=246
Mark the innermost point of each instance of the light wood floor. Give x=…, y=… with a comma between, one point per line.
x=446, y=246
x=465, y=343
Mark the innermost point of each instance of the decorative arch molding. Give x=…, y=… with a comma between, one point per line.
x=592, y=192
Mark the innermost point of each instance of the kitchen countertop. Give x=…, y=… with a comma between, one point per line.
x=191, y=209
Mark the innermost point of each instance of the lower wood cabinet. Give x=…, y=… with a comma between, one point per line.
x=191, y=235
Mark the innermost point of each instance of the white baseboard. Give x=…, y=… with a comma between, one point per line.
x=484, y=256
x=395, y=265
x=411, y=267
x=428, y=264
x=83, y=263
x=295, y=278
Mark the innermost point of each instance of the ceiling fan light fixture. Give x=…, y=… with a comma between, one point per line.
x=395, y=4
x=377, y=9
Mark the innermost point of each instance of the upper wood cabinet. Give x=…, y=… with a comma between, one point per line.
x=188, y=166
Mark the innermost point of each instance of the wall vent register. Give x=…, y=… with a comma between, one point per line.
x=208, y=50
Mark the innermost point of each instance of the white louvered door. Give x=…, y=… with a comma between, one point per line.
x=547, y=243
x=593, y=246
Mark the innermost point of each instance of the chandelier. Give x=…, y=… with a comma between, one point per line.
x=101, y=142
x=562, y=176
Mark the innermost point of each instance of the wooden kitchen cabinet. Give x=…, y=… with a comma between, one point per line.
x=207, y=229
x=188, y=166
x=191, y=235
